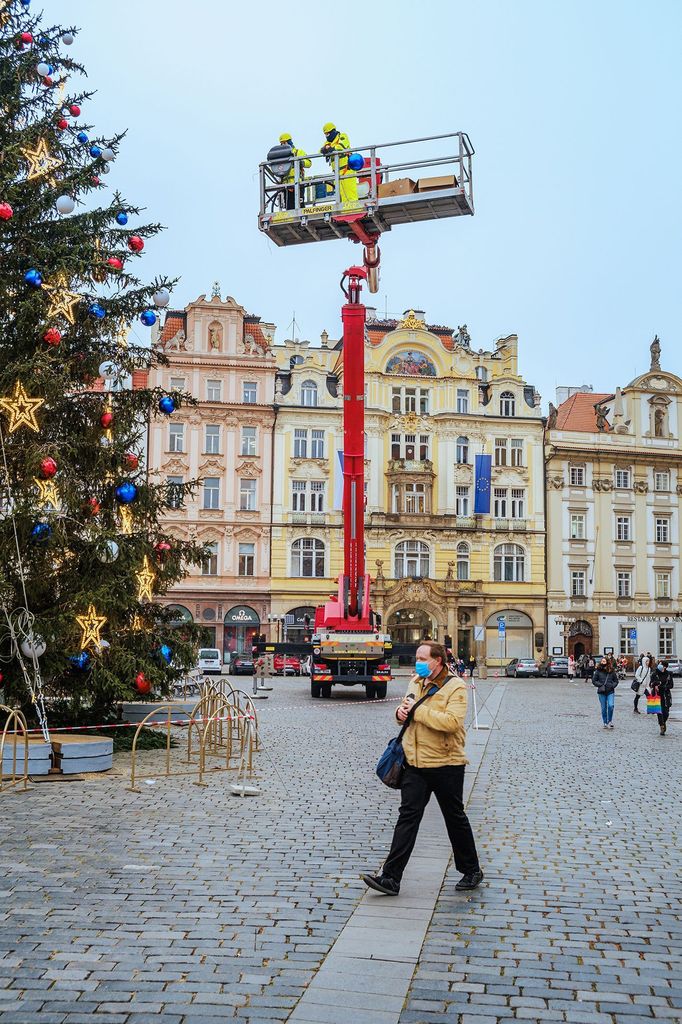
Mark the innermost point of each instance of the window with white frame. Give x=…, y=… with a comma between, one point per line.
x=507, y=404
x=249, y=392
x=177, y=384
x=666, y=641
x=411, y=559
x=516, y=451
x=576, y=475
x=500, y=451
x=396, y=400
x=410, y=400
x=409, y=446
x=622, y=478
x=424, y=401
x=462, y=501
x=247, y=495
x=309, y=393
x=623, y=527
x=462, y=400
x=577, y=526
x=317, y=495
x=405, y=400
x=481, y=374
x=211, y=492
x=424, y=447
x=212, y=439
x=300, y=443
x=298, y=495
x=626, y=643
x=248, y=445
x=317, y=444
x=395, y=498
x=176, y=437
x=662, y=529
x=415, y=498
x=577, y=583
x=662, y=480
x=462, y=450
x=174, y=492
x=463, y=561
x=209, y=567
x=663, y=583
x=247, y=559
x=213, y=390
x=624, y=583
x=307, y=557
x=500, y=499
x=518, y=503
x=509, y=563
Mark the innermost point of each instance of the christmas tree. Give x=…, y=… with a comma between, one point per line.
x=82, y=554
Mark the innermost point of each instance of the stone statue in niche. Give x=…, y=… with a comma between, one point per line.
x=659, y=423
x=215, y=337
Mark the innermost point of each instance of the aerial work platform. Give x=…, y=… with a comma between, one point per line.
x=419, y=185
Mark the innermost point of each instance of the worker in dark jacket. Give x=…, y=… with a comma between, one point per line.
x=605, y=679
x=661, y=684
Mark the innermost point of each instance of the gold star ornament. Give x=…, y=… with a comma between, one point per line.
x=39, y=161
x=21, y=409
x=92, y=625
x=47, y=493
x=62, y=301
x=145, y=581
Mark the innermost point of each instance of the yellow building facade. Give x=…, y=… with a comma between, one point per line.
x=438, y=568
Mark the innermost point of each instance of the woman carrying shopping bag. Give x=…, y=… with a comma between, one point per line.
x=641, y=681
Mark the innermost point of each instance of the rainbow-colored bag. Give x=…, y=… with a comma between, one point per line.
x=653, y=704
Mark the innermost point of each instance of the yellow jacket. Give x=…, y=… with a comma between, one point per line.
x=435, y=735
x=291, y=176
x=340, y=142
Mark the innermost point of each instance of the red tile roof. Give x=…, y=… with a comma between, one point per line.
x=255, y=331
x=175, y=320
x=578, y=412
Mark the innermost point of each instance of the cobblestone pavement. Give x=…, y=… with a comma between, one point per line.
x=580, y=916
x=186, y=905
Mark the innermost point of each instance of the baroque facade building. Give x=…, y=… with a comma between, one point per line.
x=432, y=404
x=223, y=357
x=614, y=480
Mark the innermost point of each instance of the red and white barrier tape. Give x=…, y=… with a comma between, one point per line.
x=148, y=725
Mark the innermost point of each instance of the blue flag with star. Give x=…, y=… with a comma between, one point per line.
x=482, y=485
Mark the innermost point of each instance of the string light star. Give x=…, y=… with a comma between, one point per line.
x=21, y=409
x=62, y=301
x=137, y=624
x=47, y=493
x=145, y=580
x=92, y=625
x=126, y=519
x=39, y=161
x=122, y=337
x=3, y=15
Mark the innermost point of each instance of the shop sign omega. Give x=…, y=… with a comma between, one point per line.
x=242, y=615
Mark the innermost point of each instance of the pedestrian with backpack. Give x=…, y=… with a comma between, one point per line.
x=432, y=715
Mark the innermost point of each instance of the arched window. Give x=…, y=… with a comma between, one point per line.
x=411, y=559
x=308, y=392
x=307, y=557
x=463, y=561
x=507, y=404
x=482, y=374
x=509, y=563
x=462, y=449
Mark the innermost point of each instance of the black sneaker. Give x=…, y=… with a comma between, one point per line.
x=470, y=881
x=382, y=883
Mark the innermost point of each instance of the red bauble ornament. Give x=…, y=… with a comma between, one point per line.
x=130, y=460
x=142, y=684
x=162, y=550
x=47, y=80
x=48, y=468
x=26, y=38
x=75, y=110
x=6, y=211
x=92, y=507
x=95, y=180
x=135, y=243
x=115, y=262
x=62, y=123
x=52, y=336
x=106, y=419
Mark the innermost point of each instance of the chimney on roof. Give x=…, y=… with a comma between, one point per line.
x=564, y=393
x=324, y=340
x=371, y=312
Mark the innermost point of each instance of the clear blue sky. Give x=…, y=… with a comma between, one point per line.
x=573, y=110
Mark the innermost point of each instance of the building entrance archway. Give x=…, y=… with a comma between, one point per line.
x=410, y=625
x=242, y=625
x=580, y=638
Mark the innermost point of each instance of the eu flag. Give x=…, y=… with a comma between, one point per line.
x=482, y=485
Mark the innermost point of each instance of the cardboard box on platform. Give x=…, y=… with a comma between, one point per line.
x=435, y=184
x=399, y=187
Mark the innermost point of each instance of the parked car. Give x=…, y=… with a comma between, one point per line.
x=209, y=661
x=675, y=667
x=554, y=666
x=519, y=667
x=511, y=667
x=286, y=665
x=241, y=665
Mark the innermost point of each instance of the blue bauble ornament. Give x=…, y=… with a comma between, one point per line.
x=167, y=405
x=355, y=162
x=41, y=532
x=122, y=218
x=148, y=318
x=126, y=492
x=166, y=653
x=33, y=279
x=25, y=3
x=82, y=137
x=80, y=661
x=95, y=151
x=97, y=311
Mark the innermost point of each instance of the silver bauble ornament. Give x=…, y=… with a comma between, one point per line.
x=43, y=69
x=65, y=204
x=161, y=297
x=108, y=154
x=108, y=552
x=108, y=370
x=67, y=38
x=35, y=646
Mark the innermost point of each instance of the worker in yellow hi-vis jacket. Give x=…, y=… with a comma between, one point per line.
x=286, y=140
x=336, y=140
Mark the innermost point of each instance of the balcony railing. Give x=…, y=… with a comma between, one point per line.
x=510, y=524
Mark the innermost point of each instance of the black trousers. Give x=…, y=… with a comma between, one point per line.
x=447, y=783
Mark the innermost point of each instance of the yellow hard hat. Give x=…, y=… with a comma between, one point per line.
x=328, y=127
x=285, y=136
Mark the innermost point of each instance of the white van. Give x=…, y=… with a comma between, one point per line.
x=209, y=661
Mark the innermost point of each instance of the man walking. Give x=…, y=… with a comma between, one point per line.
x=433, y=744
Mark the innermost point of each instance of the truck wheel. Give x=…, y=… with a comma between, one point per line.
x=370, y=691
x=315, y=690
x=381, y=691
x=327, y=690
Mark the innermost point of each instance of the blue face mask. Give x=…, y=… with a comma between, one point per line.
x=659, y=667
x=422, y=669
